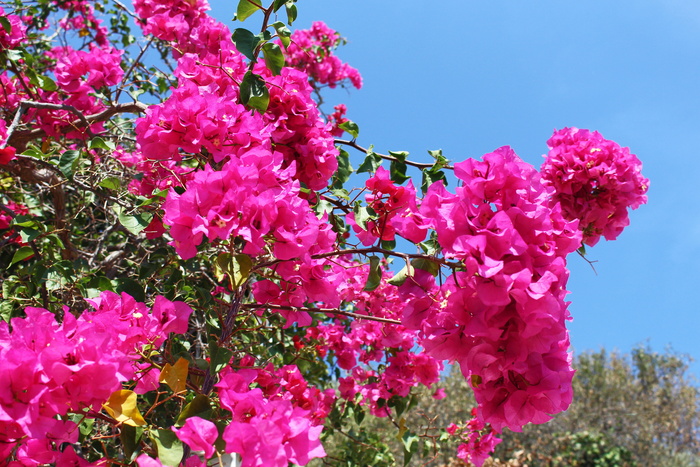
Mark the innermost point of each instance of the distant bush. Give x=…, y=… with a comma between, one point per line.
x=639, y=409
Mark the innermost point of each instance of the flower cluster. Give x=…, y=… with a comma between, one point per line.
x=395, y=207
x=101, y=65
x=251, y=197
x=269, y=428
x=502, y=317
x=170, y=20
x=311, y=50
x=479, y=440
x=16, y=209
x=357, y=349
x=297, y=129
x=9, y=39
x=81, y=17
x=50, y=369
x=595, y=181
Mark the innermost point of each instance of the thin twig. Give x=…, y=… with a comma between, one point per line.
x=137, y=60
x=419, y=165
x=335, y=311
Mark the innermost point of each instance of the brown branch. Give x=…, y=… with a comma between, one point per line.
x=364, y=251
x=335, y=311
x=27, y=169
x=19, y=139
x=419, y=165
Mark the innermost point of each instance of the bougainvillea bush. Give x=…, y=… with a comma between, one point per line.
x=191, y=270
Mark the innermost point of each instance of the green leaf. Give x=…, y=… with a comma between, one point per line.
x=388, y=245
x=26, y=221
x=431, y=176
x=351, y=127
x=21, y=254
x=359, y=415
x=440, y=160
x=363, y=214
x=33, y=152
x=6, y=308
x=86, y=426
x=111, y=183
x=425, y=264
x=170, y=450
x=283, y=32
x=245, y=42
x=371, y=162
x=274, y=58
x=431, y=246
x=237, y=268
x=133, y=223
x=99, y=143
x=254, y=92
x=291, y=11
x=341, y=193
x=323, y=206
x=401, y=276
x=375, y=274
x=55, y=239
x=68, y=163
x=199, y=407
x=130, y=286
x=410, y=446
x=398, y=172
x=344, y=171
x=14, y=55
x=44, y=82
x=27, y=234
x=278, y=4
x=6, y=25
x=130, y=437
x=157, y=197
x=247, y=8
x=219, y=359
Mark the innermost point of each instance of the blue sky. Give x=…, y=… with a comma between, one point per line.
x=470, y=76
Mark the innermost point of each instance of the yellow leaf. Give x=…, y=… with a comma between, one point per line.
x=121, y=406
x=402, y=428
x=175, y=375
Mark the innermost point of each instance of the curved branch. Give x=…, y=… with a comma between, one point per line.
x=18, y=139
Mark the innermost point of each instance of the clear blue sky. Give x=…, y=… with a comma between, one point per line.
x=468, y=76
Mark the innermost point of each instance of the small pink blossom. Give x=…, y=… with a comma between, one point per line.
x=199, y=434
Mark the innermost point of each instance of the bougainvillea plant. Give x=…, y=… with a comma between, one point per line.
x=187, y=272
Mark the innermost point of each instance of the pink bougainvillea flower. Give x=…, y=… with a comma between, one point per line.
x=7, y=154
x=594, y=180
x=199, y=434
